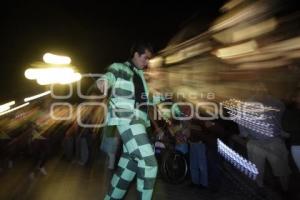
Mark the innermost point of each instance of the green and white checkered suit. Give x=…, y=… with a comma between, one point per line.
x=138, y=155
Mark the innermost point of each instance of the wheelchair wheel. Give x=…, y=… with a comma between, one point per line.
x=173, y=167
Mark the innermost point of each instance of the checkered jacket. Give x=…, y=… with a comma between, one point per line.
x=119, y=77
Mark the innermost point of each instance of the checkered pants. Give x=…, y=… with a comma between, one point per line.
x=137, y=159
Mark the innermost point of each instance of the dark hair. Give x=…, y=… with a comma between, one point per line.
x=140, y=47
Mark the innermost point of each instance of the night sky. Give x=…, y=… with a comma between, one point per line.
x=92, y=34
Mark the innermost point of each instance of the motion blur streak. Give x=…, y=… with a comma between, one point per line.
x=252, y=43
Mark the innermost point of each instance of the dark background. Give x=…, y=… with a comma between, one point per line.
x=93, y=34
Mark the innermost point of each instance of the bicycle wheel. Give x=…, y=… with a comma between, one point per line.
x=173, y=167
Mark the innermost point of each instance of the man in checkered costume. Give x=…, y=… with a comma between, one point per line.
x=128, y=91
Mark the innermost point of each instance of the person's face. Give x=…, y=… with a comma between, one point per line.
x=141, y=60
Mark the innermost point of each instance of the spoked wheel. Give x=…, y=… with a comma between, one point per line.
x=173, y=167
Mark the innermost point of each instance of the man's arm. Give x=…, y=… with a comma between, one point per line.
x=108, y=79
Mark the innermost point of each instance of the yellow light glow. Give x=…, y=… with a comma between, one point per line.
x=241, y=14
x=60, y=77
x=30, y=74
x=46, y=76
x=56, y=59
x=70, y=79
x=285, y=45
x=37, y=96
x=237, y=50
x=6, y=106
x=240, y=33
x=263, y=65
x=156, y=62
x=230, y=5
x=13, y=109
x=43, y=82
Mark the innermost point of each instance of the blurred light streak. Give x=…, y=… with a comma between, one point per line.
x=245, y=166
x=251, y=116
x=56, y=59
x=257, y=56
x=156, y=62
x=30, y=74
x=6, y=106
x=285, y=45
x=55, y=75
x=264, y=65
x=292, y=54
x=188, y=52
x=37, y=96
x=240, y=33
x=13, y=109
x=239, y=15
x=36, y=73
x=230, y=5
x=237, y=50
x=252, y=42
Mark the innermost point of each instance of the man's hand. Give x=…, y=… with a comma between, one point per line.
x=102, y=85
